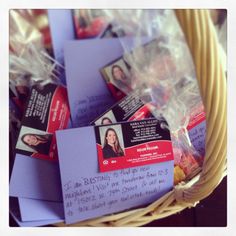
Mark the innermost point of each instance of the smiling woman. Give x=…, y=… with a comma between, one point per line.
x=121, y=80
x=112, y=146
x=39, y=143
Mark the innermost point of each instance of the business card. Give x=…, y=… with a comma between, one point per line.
x=118, y=78
x=132, y=107
x=46, y=111
x=131, y=144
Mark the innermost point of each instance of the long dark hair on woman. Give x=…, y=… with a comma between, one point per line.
x=42, y=137
x=118, y=148
x=113, y=68
x=106, y=118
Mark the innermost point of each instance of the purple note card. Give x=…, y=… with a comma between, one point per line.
x=197, y=136
x=32, y=223
x=17, y=216
x=88, y=94
x=34, y=210
x=89, y=194
x=34, y=178
x=62, y=29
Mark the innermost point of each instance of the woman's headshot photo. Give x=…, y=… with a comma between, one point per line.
x=112, y=146
x=106, y=121
x=119, y=76
x=118, y=73
x=33, y=141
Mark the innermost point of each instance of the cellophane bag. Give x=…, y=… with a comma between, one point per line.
x=30, y=62
x=163, y=68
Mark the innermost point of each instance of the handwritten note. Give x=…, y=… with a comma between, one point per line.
x=89, y=108
x=89, y=194
x=101, y=194
x=197, y=136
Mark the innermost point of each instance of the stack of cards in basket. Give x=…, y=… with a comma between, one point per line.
x=101, y=167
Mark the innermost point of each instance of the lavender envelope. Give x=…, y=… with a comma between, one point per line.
x=62, y=29
x=89, y=194
x=16, y=214
x=88, y=94
x=34, y=178
x=32, y=223
x=38, y=210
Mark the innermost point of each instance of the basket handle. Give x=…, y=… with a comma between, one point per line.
x=203, y=43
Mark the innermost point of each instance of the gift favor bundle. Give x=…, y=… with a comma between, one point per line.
x=105, y=112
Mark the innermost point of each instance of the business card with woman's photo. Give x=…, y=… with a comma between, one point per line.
x=118, y=77
x=46, y=111
x=135, y=143
x=119, y=74
x=132, y=107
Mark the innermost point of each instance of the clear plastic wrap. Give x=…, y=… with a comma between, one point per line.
x=115, y=23
x=164, y=69
x=41, y=69
x=29, y=62
x=164, y=65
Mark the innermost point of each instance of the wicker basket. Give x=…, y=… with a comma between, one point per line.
x=203, y=43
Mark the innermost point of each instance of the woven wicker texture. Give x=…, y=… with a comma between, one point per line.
x=204, y=46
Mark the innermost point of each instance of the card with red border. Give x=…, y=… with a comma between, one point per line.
x=131, y=144
x=46, y=111
x=130, y=108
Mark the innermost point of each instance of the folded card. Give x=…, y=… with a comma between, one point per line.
x=17, y=219
x=34, y=210
x=88, y=94
x=35, y=178
x=16, y=215
x=87, y=193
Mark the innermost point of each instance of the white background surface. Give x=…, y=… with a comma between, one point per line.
x=4, y=160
